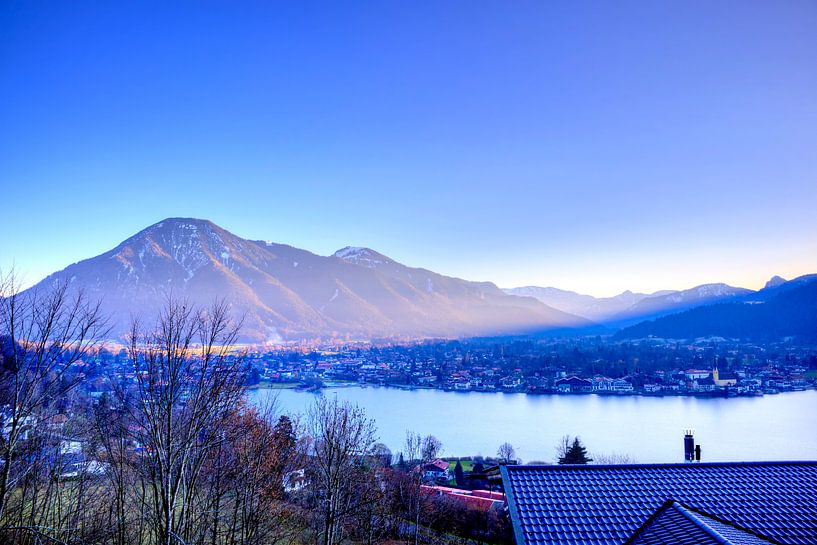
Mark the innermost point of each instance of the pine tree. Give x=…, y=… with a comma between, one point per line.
x=459, y=475
x=576, y=454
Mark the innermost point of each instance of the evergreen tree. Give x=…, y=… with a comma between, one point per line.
x=576, y=454
x=459, y=475
x=284, y=439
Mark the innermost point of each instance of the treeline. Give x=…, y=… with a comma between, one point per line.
x=175, y=456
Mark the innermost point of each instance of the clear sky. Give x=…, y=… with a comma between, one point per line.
x=594, y=146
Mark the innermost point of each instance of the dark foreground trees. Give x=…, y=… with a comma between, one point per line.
x=43, y=333
x=171, y=456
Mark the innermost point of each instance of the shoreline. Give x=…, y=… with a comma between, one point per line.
x=720, y=394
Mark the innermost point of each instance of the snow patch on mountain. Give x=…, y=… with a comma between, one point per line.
x=705, y=291
x=361, y=256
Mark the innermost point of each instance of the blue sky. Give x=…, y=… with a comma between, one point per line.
x=594, y=146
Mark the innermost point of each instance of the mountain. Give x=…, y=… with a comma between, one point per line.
x=587, y=306
x=775, y=281
x=779, y=311
x=671, y=303
x=628, y=308
x=288, y=293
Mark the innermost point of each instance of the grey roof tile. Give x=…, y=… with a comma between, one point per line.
x=550, y=504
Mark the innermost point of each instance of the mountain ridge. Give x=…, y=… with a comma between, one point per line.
x=287, y=293
x=778, y=311
x=630, y=307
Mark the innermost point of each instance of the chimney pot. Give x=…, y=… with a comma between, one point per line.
x=689, y=445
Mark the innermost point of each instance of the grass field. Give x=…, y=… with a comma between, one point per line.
x=467, y=465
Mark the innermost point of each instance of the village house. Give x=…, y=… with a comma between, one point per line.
x=574, y=384
x=705, y=384
x=602, y=384
x=622, y=386
x=295, y=481
x=695, y=374
x=436, y=470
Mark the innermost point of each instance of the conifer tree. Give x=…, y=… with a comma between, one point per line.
x=576, y=454
x=459, y=475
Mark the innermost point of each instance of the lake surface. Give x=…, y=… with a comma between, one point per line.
x=649, y=429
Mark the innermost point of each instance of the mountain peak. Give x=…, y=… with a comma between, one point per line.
x=176, y=224
x=361, y=256
x=775, y=281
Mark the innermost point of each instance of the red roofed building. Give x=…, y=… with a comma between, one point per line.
x=483, y=500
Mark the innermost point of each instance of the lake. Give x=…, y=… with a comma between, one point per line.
x=649, y=429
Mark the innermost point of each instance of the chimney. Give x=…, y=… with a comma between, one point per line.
x=689, y=445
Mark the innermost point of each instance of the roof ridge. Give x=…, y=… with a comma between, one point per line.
x=725, y=522
x=698, y=518
x=697, y=521
x=646, y=524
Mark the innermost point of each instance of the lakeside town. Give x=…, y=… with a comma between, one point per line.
x=712, y=367
x=565, y=366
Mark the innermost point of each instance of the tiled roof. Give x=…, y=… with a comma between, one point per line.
x=607, y=504
x=676, y=524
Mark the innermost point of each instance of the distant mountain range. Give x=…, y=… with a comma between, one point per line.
x=628, y=307
x=287, y=293
x=787, y=309
x=597, y=309
x=783, y=308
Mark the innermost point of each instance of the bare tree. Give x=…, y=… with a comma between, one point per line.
x=342, y=440
x=110, y=430
x=614, y=458
x=188, y=382
x=43, y=332
x=563, y=447
x=412, y=446
x=431, y=449
x=409, y=489
x=506, y=453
